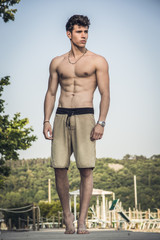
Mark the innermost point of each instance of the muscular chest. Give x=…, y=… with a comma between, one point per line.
x=81, y=69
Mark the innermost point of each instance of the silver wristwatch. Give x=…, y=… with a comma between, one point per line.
x=102, y=123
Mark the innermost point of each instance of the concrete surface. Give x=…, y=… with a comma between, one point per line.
x=94, y=235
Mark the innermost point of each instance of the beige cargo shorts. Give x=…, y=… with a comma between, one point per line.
x=71, y=134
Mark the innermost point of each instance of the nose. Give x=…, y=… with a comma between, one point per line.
x=83, y=35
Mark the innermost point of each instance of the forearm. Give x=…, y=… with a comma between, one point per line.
x=49, y=105
x=104, y=107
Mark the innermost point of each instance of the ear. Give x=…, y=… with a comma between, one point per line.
x=69, y=35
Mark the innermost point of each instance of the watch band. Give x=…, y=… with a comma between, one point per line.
x=102, y=123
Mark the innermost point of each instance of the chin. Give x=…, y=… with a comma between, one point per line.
x=82, y=45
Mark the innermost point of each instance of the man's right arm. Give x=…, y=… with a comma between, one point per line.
x=50, y=99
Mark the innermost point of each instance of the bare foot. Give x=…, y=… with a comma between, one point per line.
x=69, y=224
x=82, y=229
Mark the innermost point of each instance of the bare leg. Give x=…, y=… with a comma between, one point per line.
x=62, y=186
x=86, y=187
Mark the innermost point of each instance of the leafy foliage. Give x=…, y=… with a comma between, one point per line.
x=28, y=181
x=13, y=134
x=5, y=12
x=50, y=209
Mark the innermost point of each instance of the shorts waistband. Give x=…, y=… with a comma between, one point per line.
x=74, y=111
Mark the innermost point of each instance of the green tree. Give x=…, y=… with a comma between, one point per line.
x=14, y=135
x=5, y=12
x=40, y=195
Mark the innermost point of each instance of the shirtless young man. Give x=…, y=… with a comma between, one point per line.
x=78, y=72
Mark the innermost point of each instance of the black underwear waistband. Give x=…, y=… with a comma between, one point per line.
x=74, y=111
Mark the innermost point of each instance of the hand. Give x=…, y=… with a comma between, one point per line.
x=97, y=132
x=47, y=131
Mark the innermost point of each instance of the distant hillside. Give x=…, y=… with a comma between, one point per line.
x=28, y=181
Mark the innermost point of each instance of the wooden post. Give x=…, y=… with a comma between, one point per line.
x=42, y=225
x=28, y=222
x=49, y=190
x=58, y=219
x=149, y=213
x=37, y=218
x=53, y=221
x=9, y=224
x=113, y=196
x=130, y=213
x=146, y=215
x=134, y=213
x=139, y=207
x=135, y=191
x=75, y=210
x=19, y=223
x=33, y=215
x=62, y=219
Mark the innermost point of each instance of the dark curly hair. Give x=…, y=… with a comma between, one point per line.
x=79, y=20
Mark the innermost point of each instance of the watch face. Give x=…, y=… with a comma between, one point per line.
x=103, y=124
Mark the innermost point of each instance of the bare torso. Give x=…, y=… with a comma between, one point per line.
x=78, y=81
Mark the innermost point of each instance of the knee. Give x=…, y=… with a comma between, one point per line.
x=86, y=172
x=60, y=172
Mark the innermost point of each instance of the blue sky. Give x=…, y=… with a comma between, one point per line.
x=125, y=32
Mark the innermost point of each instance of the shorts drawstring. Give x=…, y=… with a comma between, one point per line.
x=68, y=124
x=73, y=111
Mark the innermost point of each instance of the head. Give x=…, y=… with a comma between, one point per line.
x=77, y=29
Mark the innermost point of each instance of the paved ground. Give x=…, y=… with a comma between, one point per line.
x=94, y=235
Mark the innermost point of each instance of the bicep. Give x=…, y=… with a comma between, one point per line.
x=102, y=75
x=53, y=80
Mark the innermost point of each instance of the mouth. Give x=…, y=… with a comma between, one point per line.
x=83, y=41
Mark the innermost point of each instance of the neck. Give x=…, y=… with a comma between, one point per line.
x=77, y=51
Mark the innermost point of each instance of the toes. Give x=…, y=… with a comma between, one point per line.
x=69, y=232
x=82, y=232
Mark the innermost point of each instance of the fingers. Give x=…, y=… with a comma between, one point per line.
x=95, y=136
x=47, y=131
x=97, y=133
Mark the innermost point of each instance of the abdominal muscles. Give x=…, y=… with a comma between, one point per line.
x=76, y=93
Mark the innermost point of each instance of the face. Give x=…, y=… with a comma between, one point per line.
x=79, y=35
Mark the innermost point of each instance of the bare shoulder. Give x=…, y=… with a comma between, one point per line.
x=99, y=60
x=57, y=60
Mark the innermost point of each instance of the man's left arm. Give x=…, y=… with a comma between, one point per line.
x=102, y=76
